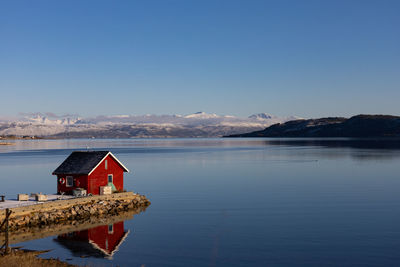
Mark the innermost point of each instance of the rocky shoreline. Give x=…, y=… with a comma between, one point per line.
x=6, y=144
x=77, y=212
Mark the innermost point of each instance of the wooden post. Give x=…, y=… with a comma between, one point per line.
x=7, y=226
x=8, y=212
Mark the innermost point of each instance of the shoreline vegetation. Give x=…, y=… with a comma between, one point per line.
x=18, y=257
x=17, y=137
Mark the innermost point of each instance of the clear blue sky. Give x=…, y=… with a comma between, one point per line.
x=305, y=58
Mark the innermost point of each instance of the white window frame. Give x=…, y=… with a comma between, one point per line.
x=105, y=165
x=112, y=178
x=111, y=228
x=71, y=181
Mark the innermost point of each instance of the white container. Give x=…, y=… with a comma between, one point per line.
x=41, y=197
x=23, y=197
x=79, y=192
x=105, y=190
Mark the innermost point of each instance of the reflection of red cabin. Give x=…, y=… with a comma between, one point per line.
x=90, y=170
x=100, y=241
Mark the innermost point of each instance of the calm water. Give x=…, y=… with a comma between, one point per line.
x=232, y=202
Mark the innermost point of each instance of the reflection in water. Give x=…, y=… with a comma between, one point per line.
x=392, y=143
x=293, y=202
x=330, y=148
x=94, y=237
x=100, y=242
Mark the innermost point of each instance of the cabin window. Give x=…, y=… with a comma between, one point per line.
x=110, y=228
x=110, y=178
x=70, y=181
x=105, y=164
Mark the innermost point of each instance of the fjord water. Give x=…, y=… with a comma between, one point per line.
x=237, y=202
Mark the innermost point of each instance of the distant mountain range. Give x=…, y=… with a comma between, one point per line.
x=357, y=126
x=199, y=124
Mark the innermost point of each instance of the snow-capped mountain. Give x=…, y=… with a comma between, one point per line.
x=261, y=116
x=201, y=115
x=49, y=119
x=199, y=124
x=266, y=116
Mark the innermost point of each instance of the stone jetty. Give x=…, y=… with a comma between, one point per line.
x=60, y=211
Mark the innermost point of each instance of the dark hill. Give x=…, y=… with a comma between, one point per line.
x=357, y=126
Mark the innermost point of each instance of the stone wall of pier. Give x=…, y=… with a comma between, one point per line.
x=58, y=211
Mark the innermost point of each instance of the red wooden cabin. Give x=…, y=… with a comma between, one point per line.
x=90, y=170
x=101, y=241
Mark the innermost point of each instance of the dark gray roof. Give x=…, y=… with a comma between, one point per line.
x=80, y=162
